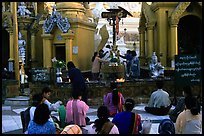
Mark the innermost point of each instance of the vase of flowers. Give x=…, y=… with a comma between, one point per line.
x=58, y=65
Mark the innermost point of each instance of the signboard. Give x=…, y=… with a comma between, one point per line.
x=187, y=70
x=40, y=75
x=75, y=49
x=113, y=14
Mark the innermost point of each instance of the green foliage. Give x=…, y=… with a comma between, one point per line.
x=59, y=64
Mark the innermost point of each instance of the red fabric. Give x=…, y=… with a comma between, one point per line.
x=120, y=105
x=117, y=25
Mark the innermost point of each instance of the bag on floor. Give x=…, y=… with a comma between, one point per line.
x=25, y=118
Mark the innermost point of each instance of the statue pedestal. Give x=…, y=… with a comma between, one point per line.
x=112, y=72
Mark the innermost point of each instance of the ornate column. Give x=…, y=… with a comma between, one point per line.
x=47, y=50
x=174, y=44
x=15, y=42
x=11, y=50
x=11, y=5
x=68, y=45
x=163, y=36
x=150, y=33
x=142, y=41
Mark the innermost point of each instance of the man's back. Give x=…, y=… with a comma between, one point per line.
x=159, y=98
x=77, y=78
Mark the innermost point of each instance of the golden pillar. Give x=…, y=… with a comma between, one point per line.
x=15, y=43
x=47, y=50
x=11, y=45
x=150, y=36
x=162, y=34
x=36, y=8
x=11, y=6
x=142, y=41
x=174, y=44
x=68, y=45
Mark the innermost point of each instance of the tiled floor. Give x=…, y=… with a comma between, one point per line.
x=11, y=118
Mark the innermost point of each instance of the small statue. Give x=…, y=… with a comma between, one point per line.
x=156, y=69
x=22, y=10
x=22, y=74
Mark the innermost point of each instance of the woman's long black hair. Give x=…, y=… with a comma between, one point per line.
x=94, y=56
x=103, y=114
x=70, y=65
x=42, y=114
x=115, y=97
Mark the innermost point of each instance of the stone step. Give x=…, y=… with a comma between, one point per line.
x=17, y=101
x=26, y=92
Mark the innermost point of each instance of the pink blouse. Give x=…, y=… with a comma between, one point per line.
x=76, y=112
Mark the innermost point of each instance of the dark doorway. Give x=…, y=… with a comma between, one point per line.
x=5, y=48
x=60, y=52
x=190, y=35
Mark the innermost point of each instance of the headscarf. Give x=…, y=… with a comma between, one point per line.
x=72, y=129
x=166, y=126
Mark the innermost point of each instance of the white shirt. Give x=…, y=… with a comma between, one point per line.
x=159, y=98
x=91, y=129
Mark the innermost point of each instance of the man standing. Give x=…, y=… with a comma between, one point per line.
x=77, y=80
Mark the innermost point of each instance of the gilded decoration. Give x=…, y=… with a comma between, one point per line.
x=56, y=18
x=148, y=13
x=7, y=19
x=176, y=14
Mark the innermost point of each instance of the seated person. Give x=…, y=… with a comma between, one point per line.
x=189, y=121
x=159, y=102
x=103, y=125
x=166, y=126
x=126, y=120
x=71, y=129
x=46, y=92
x=76, y=110
x=36, y=100
x=180, y=104
x=62, y=114
x=40, y=123
x=114, y=100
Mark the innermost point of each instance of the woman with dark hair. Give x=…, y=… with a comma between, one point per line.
x=127, y=121
x=36, y=100
x=40, y=123
x=96, y=65
x=76, y=110
x=189, y=121
x=77, y=80
x=114, y=100
x=29, y=112
x=46, y=92
x=180, y=104
x=103, y=125
x=166, y=126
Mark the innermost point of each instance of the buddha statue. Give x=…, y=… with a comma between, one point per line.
x=156, y=69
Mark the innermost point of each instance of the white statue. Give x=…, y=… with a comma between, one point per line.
x=22, y=74
x=156, y=69
x=22, y=10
